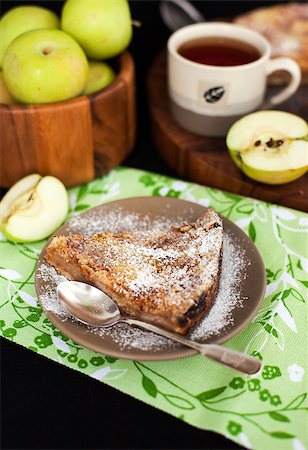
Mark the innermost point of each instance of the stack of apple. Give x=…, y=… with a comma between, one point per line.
x=41, y=63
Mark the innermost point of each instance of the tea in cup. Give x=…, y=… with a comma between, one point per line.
x=217, y=72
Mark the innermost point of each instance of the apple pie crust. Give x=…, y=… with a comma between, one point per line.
x=167, y=278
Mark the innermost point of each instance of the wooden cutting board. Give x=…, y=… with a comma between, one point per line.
x=205, y=160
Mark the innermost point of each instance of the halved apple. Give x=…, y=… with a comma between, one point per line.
x=270, y=146
x=33, y=208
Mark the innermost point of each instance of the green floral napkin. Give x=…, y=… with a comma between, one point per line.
x=261, y=412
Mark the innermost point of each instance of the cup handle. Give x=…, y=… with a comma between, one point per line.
x=294, y=70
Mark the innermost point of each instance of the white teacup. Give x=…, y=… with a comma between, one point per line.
x=236, y=90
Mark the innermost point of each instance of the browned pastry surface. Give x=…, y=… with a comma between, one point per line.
x=286, y=28
x=168, y=278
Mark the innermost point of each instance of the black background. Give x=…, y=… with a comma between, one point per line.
x=45, y=405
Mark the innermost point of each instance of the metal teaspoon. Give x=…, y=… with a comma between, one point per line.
x=93, y=307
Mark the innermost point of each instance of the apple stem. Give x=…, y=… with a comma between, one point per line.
x=47, y=50
x=137, y=23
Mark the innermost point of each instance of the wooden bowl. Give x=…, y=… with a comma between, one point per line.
x=73, y=140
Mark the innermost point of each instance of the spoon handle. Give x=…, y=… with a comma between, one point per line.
x=178, y=13
x=226, y=356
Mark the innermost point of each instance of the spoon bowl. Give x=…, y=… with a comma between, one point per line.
x=93, y=307
x=88, y=304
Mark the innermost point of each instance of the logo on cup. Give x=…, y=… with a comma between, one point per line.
x=214, y=94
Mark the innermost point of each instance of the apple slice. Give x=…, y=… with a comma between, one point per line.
x=270, y=146
x=33, y=208
x=100, y=76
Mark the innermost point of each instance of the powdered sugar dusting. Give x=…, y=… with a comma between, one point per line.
x=128, y=337
x=229, y=295
x=118, y=221
x=49, y=279
x=215, y=321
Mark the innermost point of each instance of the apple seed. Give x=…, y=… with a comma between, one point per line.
x=270, y=143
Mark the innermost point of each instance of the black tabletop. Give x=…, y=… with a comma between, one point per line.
x=45, y=405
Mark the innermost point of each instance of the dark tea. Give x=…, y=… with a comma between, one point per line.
x=219, y=51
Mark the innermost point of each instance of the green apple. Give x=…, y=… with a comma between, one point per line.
x=21, y=19
x=44, y=66
x=100, y=76
x=270, y=146
x=33, y=208
x=5, y=95
x=102, y=27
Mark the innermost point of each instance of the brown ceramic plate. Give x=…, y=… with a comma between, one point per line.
x=252, y=286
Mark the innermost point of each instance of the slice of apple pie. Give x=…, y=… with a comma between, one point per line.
x=167, y=278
